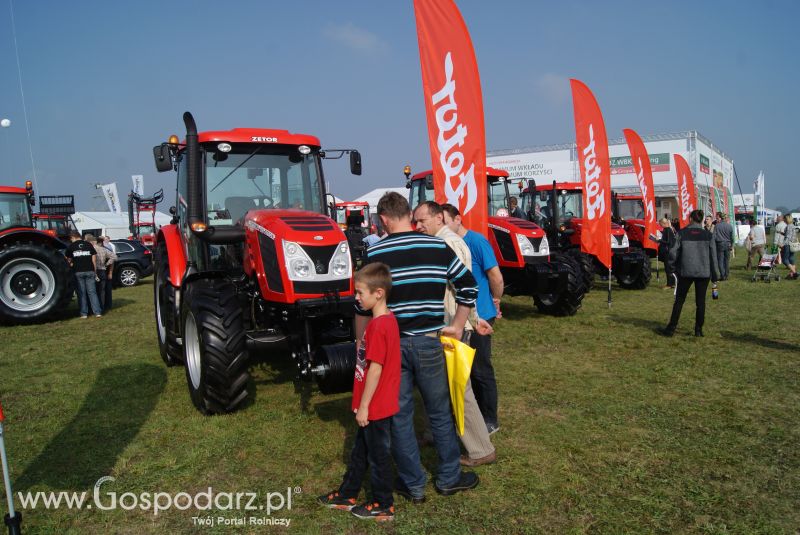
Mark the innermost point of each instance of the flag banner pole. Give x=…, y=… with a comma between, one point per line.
x=14, y=518
x=609, y=287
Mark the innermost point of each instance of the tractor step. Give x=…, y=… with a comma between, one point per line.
x=265, y=338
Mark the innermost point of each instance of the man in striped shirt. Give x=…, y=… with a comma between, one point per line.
x=421, y=267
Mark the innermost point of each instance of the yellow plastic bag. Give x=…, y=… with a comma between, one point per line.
x=459, y=358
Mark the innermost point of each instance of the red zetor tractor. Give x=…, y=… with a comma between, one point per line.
x=142, y=217
x=353, y=219
x=35, y=280
x=629, y=213
x=559, y=209
x=523, y=252
x=250, y=263
x=55, y=216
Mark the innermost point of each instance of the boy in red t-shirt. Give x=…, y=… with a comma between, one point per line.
x=376, y=393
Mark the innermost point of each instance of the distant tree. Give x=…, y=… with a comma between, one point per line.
x=782, y=209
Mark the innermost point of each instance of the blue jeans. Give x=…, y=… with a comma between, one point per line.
x=87, y=288
x=723, y=256
x=371, y=448
x=423, y=364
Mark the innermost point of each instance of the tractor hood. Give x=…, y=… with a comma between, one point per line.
x=515, y=224
x=296, y=254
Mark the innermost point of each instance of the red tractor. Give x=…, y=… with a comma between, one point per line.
x=55, y=216
x=35, y=281
x=251, y=263
x=353, y=218
x=558, y=207
x=522, y=249
x=142, y=217
x=629, y=213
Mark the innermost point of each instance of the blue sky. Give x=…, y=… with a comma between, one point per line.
x=106, y=81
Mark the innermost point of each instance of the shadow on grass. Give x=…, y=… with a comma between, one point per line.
x=339, y=410
x=648, y=324
x=750, y=338
x=280, y=368
x=111, y=415
x=517, y=311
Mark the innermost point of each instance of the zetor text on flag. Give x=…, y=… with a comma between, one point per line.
x=686, y=193
x=454, y=110
x=644, y=176
x=592, y=150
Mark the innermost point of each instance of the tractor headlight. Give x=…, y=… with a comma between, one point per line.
x=298, y=263
x=625, y=242
x=300, y=267
x=544, y=247
x=525, y=245
x=340, y=261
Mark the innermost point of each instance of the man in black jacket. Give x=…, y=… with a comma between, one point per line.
x=694, y=259
x=664, y=245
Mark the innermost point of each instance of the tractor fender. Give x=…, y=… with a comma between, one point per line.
x=171, y=236
x=30, y=235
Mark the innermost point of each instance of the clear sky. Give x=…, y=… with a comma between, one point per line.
x=106, y=81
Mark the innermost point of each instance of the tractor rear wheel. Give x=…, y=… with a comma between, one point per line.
x=639, y=279
x=35, y=282
x=586, y=264
x=164, y=301
x=214, y=347
x=568, y=302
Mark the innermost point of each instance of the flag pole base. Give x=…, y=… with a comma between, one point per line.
x=13, y=523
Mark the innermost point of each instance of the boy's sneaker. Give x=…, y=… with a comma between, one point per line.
x=334, y=500
x=373, y=511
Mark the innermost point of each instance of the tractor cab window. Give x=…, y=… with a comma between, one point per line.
x=14, y=211
x=144, y=230
x=41, y=224
x=498, y=198
x=419, y=193
x=539, y=206
x=631, y=209
x=260, y=177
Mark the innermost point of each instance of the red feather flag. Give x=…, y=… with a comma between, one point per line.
x=644, y=176
x=687, y=198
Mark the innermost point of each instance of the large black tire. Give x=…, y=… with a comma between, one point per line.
x=165, y=312
x=35, y=282
x=128, y=276
x=214, y=347
x=568, y=302
x=637, y=280
x=586, y=264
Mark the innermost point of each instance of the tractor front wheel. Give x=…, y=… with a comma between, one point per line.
x=637, y=279
x=567, y=302
x=164, y=304
x=214, y=347
x=34, y=282
x=586, y=265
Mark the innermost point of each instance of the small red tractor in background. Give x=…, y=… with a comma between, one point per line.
x=55, y=216
x=558, y=208
x=35, y=280
x=528, y=264
x=628, y=212
x=251, y=263
x=142, y=217
x=353, y=218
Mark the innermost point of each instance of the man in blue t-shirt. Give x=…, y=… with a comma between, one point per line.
x=490, y=290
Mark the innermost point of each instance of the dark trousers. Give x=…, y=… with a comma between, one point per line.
x=372, y=448
x=109, y=289
x=700, y=288
x=723, y=259
x=484, y=384
x=101, y=288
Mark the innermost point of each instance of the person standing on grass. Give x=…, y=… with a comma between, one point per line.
x=694, y=259
x=723, y=236
x=103, y=260
x=106, y=243
x=758, y=239
x=376, y=390
x=780, y=235
x=429, y=218
x=421, y=268
x=789, y=236
x=81, y=256
x=664, y=245
x=490, y=291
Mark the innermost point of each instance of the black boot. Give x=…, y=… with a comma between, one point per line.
x=667, y=331
x=698, y=331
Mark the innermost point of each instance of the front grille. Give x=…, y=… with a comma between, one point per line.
x=505, y=245
x=522, y=223
x=320, y=255
x=308, y=223
x=270, y=260
x=321, y=287
x=619, y=240
x=536, y=242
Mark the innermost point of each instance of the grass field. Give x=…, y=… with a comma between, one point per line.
x=606, y=427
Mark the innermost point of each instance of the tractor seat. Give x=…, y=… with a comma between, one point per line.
x=239, y=206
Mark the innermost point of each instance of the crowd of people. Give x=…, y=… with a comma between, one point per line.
x=92, y=261
x=427, y=277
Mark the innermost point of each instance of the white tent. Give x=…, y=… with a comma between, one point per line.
x=115, y=226
x=372, y=197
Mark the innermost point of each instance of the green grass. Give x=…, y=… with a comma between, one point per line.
x=606, y=427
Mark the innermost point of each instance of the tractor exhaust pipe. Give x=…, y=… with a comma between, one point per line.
x=554, y=209
x=194, y=206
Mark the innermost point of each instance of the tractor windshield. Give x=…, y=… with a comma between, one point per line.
x=14, y=211
x=420, y=192
x=263, y=177
x=498, y=198
x=631, y=209
x=570, y=204
x=145, y=230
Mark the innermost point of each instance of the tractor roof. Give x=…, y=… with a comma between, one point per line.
x=258, y=135
x=11, y=189
x=352, y=204
x=49, y=216
x=629, y=197
x=490, y=172
x=569, y=186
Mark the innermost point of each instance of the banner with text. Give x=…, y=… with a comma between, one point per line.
x=454, y=109
x=687, y=196
x=112, y=197
x=644, y=176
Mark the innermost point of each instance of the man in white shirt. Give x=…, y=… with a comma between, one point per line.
x=758, y=239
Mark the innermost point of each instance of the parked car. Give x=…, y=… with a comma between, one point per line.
x=134, y=261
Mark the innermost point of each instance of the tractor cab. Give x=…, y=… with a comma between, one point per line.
x=628, y=212
x=251, y=260
x=15, y=207
x=55, y=216
x=354, y=220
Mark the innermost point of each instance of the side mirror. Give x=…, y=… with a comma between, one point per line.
x=429, y=181
x=163, y=157
x=173, y=211
x=355, y=162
